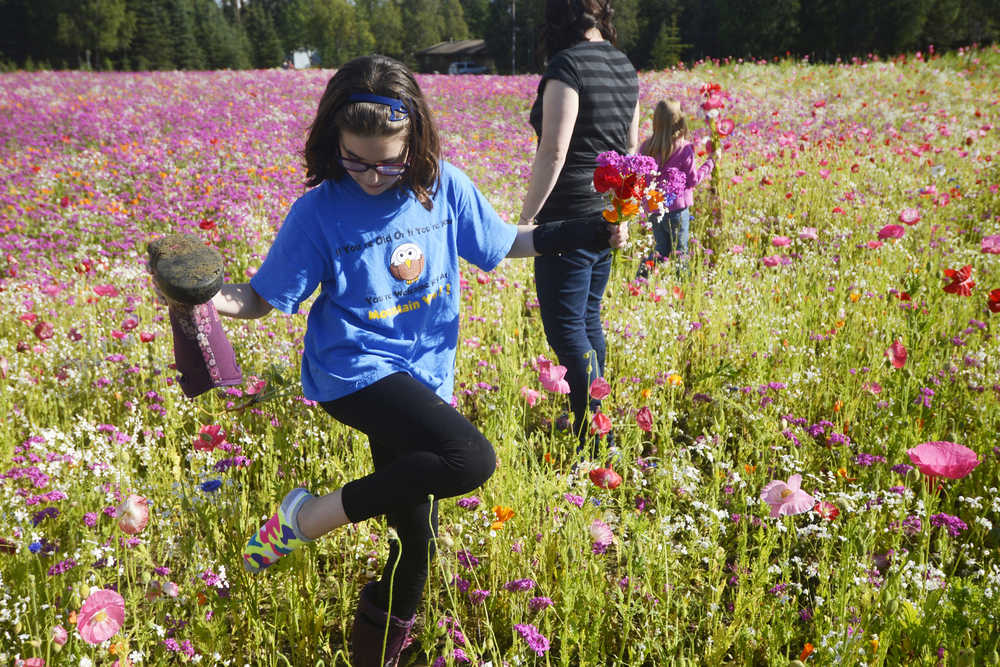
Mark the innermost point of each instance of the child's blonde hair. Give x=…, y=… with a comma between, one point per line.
x=669, y=127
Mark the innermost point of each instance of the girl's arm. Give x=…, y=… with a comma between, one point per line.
x=560, y=106
x=241, y=301
x=561, y=237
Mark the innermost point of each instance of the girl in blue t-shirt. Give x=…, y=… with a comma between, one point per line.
x=380, y=234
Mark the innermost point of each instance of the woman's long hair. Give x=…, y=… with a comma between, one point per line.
x=669, y=128
x=379, y=75
x=566, y=23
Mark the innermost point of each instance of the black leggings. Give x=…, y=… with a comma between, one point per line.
x=420, y=446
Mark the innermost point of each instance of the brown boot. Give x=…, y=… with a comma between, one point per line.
x=371, y=645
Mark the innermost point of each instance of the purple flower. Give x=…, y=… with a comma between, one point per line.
x=539, y=603
x=865, y=460
x=90, y=519
x=466, y=559
x=952, y=524
x=519, y=585
x=902, y=468
x=62, y=566
x=536, y=640
x=478, y=596
x=470, y=503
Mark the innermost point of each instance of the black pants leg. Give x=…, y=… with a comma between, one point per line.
x=421, y=446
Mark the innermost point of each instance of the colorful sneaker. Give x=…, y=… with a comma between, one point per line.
x=279, y=536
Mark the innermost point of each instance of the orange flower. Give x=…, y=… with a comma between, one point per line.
x=749, y=469
x=549, y=459
x=503, y=515
x=629, y=207
x=611, y=215
x=807, y=651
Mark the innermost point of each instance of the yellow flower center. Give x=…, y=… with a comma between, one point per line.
x=786, y=493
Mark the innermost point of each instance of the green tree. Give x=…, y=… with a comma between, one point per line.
x=759, y=28
x=188, y=54
x=385, y=20
x=424, y=25
x=337, y=32
x=477, y=13
x=453, y=26
x=94, y=27
x=265, y=46
x=151, y=48
x=224, y=44
x=667, y=48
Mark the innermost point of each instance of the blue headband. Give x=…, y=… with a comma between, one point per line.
x=399, y=111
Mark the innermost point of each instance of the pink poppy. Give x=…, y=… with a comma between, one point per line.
x=255, y=385
x=808, y=234
x=209, y=437
x=599, y=388
x=944, y=459
x=30, y=662
x=147, y=336
x=105, y=290
x=644, y=418
x=59, y=635
x=961, y=281
x=873, y=387
x=605, y=478
x=101, y=616
x=787, y=498
x=601, y=533
x=133, y=514
x=600, y=424
x=875, y=245
x=4, y=368
x=770, y=260
x=552, y=377
x=530, y=395
x=991, y=244
x=891, y=232
x=44, y=330
x=725, y=127
x=909, y=216
x=713, y=102
x=896, y=354
x=170, y=589
x=780, y=241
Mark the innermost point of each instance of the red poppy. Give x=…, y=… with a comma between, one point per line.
x=725, y=127
x=961, y=281
x=207, y=224
x=644, y=418
x=44, y=330
x=209, y=437
x=993, y=302
x=605, y=478
x=826, y=510
x=600, y=424
x=629, y=187
x=606, y=177
x=896, y=354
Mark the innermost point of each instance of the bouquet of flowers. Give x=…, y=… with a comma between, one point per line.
x=718, y=127
x=631, y=186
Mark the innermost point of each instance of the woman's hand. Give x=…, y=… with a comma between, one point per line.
x=618, y=235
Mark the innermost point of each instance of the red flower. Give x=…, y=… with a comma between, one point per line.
x=207, y=224
x=44, y=330
x=826, y=510
x=147, y=337
x=961, y=281
x=644, y=418
x=605, y=478
x=896, y=354
x=630, y=187
x=993, y=302
x=209, y=437
x=600, y=424
x=606, y=177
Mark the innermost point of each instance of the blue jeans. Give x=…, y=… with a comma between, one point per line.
x=570, y=288
x=670, y=235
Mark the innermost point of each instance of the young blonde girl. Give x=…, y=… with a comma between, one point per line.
x=671, y=149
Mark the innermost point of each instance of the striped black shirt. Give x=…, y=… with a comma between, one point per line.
x=608, y=88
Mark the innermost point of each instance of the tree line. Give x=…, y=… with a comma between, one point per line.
x=240, y=34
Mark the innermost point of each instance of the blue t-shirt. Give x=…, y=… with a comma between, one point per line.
x=389, y=274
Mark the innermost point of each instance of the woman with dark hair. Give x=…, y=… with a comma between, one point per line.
x=587, y=104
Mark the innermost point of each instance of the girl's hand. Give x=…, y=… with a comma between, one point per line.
x=713, y=150
x=618, y=235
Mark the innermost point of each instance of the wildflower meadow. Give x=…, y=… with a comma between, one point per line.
x=806, y=463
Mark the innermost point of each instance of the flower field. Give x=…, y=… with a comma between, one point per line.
x=808, y=461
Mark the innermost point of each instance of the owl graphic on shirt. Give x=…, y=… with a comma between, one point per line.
x=407, y=262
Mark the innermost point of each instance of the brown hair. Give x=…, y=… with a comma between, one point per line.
x=669, y=127
x=383, y=76
x=567, y=21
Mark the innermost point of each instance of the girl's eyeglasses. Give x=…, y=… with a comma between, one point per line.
x=383, y=168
